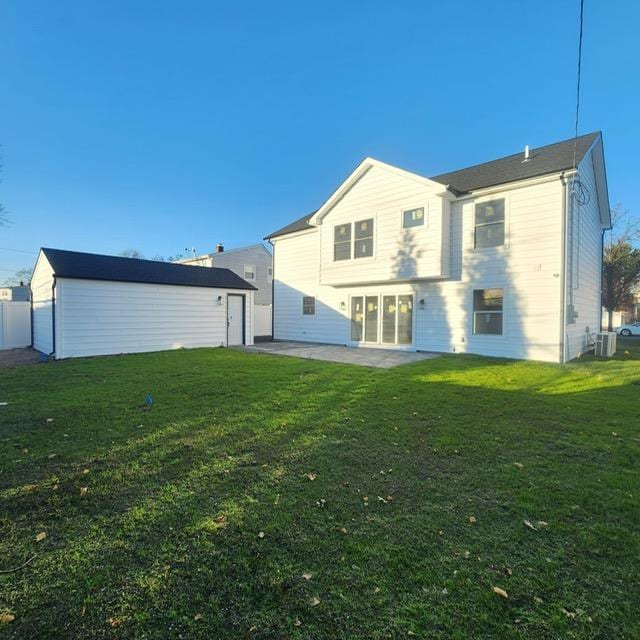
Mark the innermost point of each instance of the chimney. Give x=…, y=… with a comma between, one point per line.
x=219, y=248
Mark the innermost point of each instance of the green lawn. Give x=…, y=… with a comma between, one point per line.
x=272, y=497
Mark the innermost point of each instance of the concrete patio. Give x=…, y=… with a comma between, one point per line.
x=366, y=357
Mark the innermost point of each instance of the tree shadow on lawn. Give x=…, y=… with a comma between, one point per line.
x=144, y=548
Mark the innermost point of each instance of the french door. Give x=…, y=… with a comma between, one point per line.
x=384, y=319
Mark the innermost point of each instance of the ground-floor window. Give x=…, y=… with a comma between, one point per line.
x=385, y=319
x=487, y=311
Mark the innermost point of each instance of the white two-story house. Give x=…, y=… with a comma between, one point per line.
x=501, y=259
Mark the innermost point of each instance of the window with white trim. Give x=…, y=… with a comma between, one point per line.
x=308, y=306
x=342, y=242
x=489, y=224
x=488, y=307
x=413, y=218
x=363, y=243
x=249, y=271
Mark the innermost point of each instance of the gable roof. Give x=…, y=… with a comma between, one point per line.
x=93, y=266
x=552, y=158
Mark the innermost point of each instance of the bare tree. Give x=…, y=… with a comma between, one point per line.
x=621, y=262
x=22, y=276
x=131, y=253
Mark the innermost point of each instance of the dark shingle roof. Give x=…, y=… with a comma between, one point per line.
x=92, y=266
x=551, y=158
x=543, y=160
x=298, y=225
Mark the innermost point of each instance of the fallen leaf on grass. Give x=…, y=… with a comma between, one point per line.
x=51, y=456
x=220, y=520
x=84, y=491
x=198, y=616
x=261, y=534
x=6, y=618
x=315, y=601
x=570, y=614
x=472, y=520
x=40, y=536
x=307, y=576
x=49, y=419
x=376, y=590
x=500, y=592
x=311, y=476
x=519, y=465
x=614, y=434
x=116, y=621
x=390, y=498
x=542, y=524
x=85, y=471
x=297, y=623
x=343, y=530
x=528, y=524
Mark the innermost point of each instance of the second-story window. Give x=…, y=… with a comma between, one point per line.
x=342, y=242
x=363, y=244
x=250, y=272
x=489, y=224
x=413, y=218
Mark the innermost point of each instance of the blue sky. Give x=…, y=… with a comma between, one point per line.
x=165, y=125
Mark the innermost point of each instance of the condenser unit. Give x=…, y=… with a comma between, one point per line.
x=606, y=344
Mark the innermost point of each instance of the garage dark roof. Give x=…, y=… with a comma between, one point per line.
x=93, y=266
x=551, y=158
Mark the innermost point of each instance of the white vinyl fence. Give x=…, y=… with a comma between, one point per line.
x=15, y=324
x=261, y=320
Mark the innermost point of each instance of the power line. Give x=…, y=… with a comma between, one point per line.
x=575, y=142
x=18, y=250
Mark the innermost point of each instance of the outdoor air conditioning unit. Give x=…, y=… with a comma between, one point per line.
x=606, y=344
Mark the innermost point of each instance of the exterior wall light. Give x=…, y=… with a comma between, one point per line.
x=343, y=305
x=219, y=299
x=421, y=303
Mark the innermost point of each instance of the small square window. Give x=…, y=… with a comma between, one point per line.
x=249, y=272
x=308, y=306
x=413, y=218
x=270, y=273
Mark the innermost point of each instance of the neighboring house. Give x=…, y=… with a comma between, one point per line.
x=15, y=294
x=85, y=304
x=254, y=264
x=502, y=258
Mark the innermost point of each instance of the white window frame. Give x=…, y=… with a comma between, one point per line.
x=353, y=222
x=333, y=242
x=252, y=269
x=507, y=216
x=425, y=218
x=303, y=306
x=379, y=342
x=505, y=297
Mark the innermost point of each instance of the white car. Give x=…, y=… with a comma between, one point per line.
x=632, y=329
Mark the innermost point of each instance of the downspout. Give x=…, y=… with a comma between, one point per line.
x=31, y=312
x=53, y=317
x=563, y=294
x=273, y=289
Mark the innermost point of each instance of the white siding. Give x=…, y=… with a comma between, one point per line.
x=528, y=268
x=584, y=265
x=15, y=324
x=42, y=292
x=98, y=318
x=399, y=254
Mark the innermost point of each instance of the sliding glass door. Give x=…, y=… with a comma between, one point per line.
x=385, y=319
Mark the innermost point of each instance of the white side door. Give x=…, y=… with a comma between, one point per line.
x=235, y=320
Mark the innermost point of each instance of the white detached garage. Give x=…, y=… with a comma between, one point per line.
x=85, y=304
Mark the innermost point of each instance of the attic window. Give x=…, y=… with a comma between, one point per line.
x=250, y=272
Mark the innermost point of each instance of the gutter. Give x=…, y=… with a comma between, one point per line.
x=53, y=317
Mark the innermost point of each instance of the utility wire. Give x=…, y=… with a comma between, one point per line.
x=575, y=141
x=18, y=250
